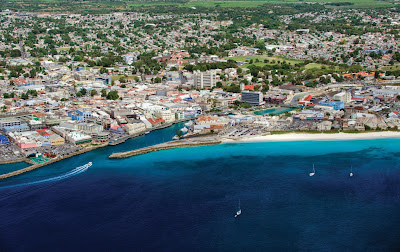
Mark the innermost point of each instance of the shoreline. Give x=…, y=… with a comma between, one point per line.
x=285, y=137
x=34, y=166
x=54, y=160
x=314, y=137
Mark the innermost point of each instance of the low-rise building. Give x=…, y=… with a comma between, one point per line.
x=78, y=138
x=166, y=115
x=336, y=105
x=4, y=140
x=134, y=128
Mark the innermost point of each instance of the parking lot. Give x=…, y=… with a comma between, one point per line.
x=243, y=130
x=59, y=150
x=10, y=151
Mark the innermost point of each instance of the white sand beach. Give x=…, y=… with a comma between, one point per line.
x=315, y=136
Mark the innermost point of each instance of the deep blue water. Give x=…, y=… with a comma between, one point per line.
x=185, y=199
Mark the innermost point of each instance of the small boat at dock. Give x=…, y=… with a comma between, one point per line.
x=188, y=124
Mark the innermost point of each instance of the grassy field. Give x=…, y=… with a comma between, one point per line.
x=262, y=58
x=255, y=3
x=394, y=67
x=224, y=4
x=150, y=4
x=117, y=77
x=318, y=66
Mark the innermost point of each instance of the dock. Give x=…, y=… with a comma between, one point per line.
x=200, y=141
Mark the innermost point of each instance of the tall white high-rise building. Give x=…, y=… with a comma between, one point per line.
x=205, y=79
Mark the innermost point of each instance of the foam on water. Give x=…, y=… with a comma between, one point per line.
x=76, y=171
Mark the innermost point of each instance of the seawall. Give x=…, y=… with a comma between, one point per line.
x=166, y=146
x=36, y=166
x=16, y=160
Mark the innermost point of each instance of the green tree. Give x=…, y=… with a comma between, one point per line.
x=25, y=96
x=93, y=92
x=103, y=93
x=83, y=91
x=103, y=70
x=179, y=134
x=112, y=95
x=157, y=80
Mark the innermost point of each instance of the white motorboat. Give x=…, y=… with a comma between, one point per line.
x=239, y=212
x=184, y=130
x=312, y=173
x=188, y=124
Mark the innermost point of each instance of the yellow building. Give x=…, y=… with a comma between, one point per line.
x=56, y=140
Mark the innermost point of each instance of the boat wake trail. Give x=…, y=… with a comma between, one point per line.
x=74, y=172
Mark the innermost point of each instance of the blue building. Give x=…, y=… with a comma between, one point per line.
x=16, y=128
x=4, y=140
x=337, y=105
x=80, y=115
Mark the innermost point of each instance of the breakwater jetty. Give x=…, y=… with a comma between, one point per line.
x=168, y=145
x=16, y=160
x=36, y=166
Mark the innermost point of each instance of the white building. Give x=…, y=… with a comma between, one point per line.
x=78, y=138
x=204, y=79
x=342, y=96
x=133, y=128
x=167, y=115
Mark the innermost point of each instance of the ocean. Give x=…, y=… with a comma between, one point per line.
x=185, y=199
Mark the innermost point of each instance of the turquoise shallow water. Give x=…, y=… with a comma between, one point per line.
x=5, y=168
x=276, y=111
x=185, y=200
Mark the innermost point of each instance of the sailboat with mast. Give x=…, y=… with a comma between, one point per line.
x=313, y=172
x=239, y=212
x=351, y=171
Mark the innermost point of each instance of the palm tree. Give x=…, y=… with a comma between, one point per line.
x=179, y=133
